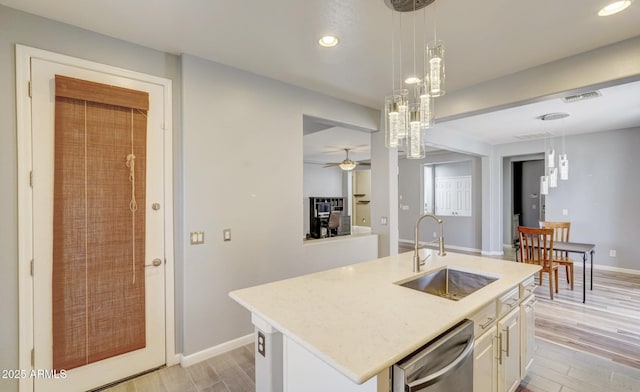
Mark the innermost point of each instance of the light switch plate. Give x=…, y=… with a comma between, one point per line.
x=197, y=237
x=226, y=234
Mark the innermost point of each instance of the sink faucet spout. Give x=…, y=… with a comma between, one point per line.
x=416, y=240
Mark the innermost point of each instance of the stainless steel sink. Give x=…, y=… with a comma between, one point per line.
x=450, y=283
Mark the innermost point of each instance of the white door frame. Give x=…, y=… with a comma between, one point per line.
x=24, y=54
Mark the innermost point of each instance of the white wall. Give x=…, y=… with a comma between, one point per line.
x=601, y=195
x=243, y=170
x=384, y=194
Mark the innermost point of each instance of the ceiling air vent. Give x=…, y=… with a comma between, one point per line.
x=582, y=97
x=554, y=116
x=533, y=136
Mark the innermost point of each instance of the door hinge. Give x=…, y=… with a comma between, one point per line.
x=33, y=357
x=31, y=267
x=29, y=88
x=31, y=179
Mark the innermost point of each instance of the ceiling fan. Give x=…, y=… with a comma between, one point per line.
x=347, y=164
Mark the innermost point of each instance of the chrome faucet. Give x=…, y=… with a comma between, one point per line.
x=416, y=252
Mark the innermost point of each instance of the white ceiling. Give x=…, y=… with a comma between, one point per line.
x=278, y=39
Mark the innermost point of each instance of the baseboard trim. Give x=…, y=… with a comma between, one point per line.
x=176, y=359
x=492, y=253
x=578, y=264
x=188, y=360
x=432, y=245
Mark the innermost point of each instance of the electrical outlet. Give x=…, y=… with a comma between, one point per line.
x=612, y=253
x=565, y=212
x=435, y=234
x=261, y=344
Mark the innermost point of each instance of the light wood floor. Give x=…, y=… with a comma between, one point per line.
x=592, y=347
x=231, y=372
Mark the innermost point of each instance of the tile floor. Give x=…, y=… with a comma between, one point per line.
x=230, y=372
x=555, y=369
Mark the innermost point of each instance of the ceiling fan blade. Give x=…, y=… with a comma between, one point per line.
x=331, y=164
x=364, y=163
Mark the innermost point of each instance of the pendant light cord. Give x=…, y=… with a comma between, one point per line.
x=393, y=55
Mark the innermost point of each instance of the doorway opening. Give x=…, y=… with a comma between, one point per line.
x=528, y=205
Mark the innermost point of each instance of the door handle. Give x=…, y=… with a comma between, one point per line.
x=500, y=348
x=155, y=263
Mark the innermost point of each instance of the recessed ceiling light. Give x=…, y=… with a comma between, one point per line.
x=614, y=8
x=412, y=80
x=328, y=41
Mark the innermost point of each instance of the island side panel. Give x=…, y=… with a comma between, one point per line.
x=304, y=371
x=268, y=356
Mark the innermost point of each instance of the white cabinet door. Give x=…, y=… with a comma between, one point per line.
x=485, y=363
x=527, y=312
x=509, y=351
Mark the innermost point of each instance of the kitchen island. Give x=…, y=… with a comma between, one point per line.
x=342, y=329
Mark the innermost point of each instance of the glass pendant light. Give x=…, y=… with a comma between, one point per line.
x=544, y=185
x=426, y=107
x=403, y=112
x=553, y=177
x=563, y=162
x=551, y=157
x=391, y=127
x=414, y=137
x=435, y=59
x=396, y=117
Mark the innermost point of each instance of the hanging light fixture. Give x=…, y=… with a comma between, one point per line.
x=435, y=58
x=563, y=162
x=544, y=185
x=409, y=114
x=347, y=165
x=553, y=177
x=553, y=170
x=551, y=157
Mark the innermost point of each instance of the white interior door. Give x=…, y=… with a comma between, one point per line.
x=153, y=354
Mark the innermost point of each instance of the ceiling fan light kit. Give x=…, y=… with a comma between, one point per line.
x=347, y=164
x=409, y=115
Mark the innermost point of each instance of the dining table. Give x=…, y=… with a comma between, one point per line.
x=578, y=248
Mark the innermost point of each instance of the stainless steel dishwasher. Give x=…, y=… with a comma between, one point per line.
x=443, y=365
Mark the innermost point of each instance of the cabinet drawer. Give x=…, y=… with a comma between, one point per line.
x=527, y=287
x=484, y=319
x=509, y=301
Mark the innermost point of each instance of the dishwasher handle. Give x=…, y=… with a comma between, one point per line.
x=417, y=385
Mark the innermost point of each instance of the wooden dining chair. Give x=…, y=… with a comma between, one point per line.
x=561, y=232
x=536, y=247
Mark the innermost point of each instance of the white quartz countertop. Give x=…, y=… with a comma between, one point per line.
x=359, y=322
